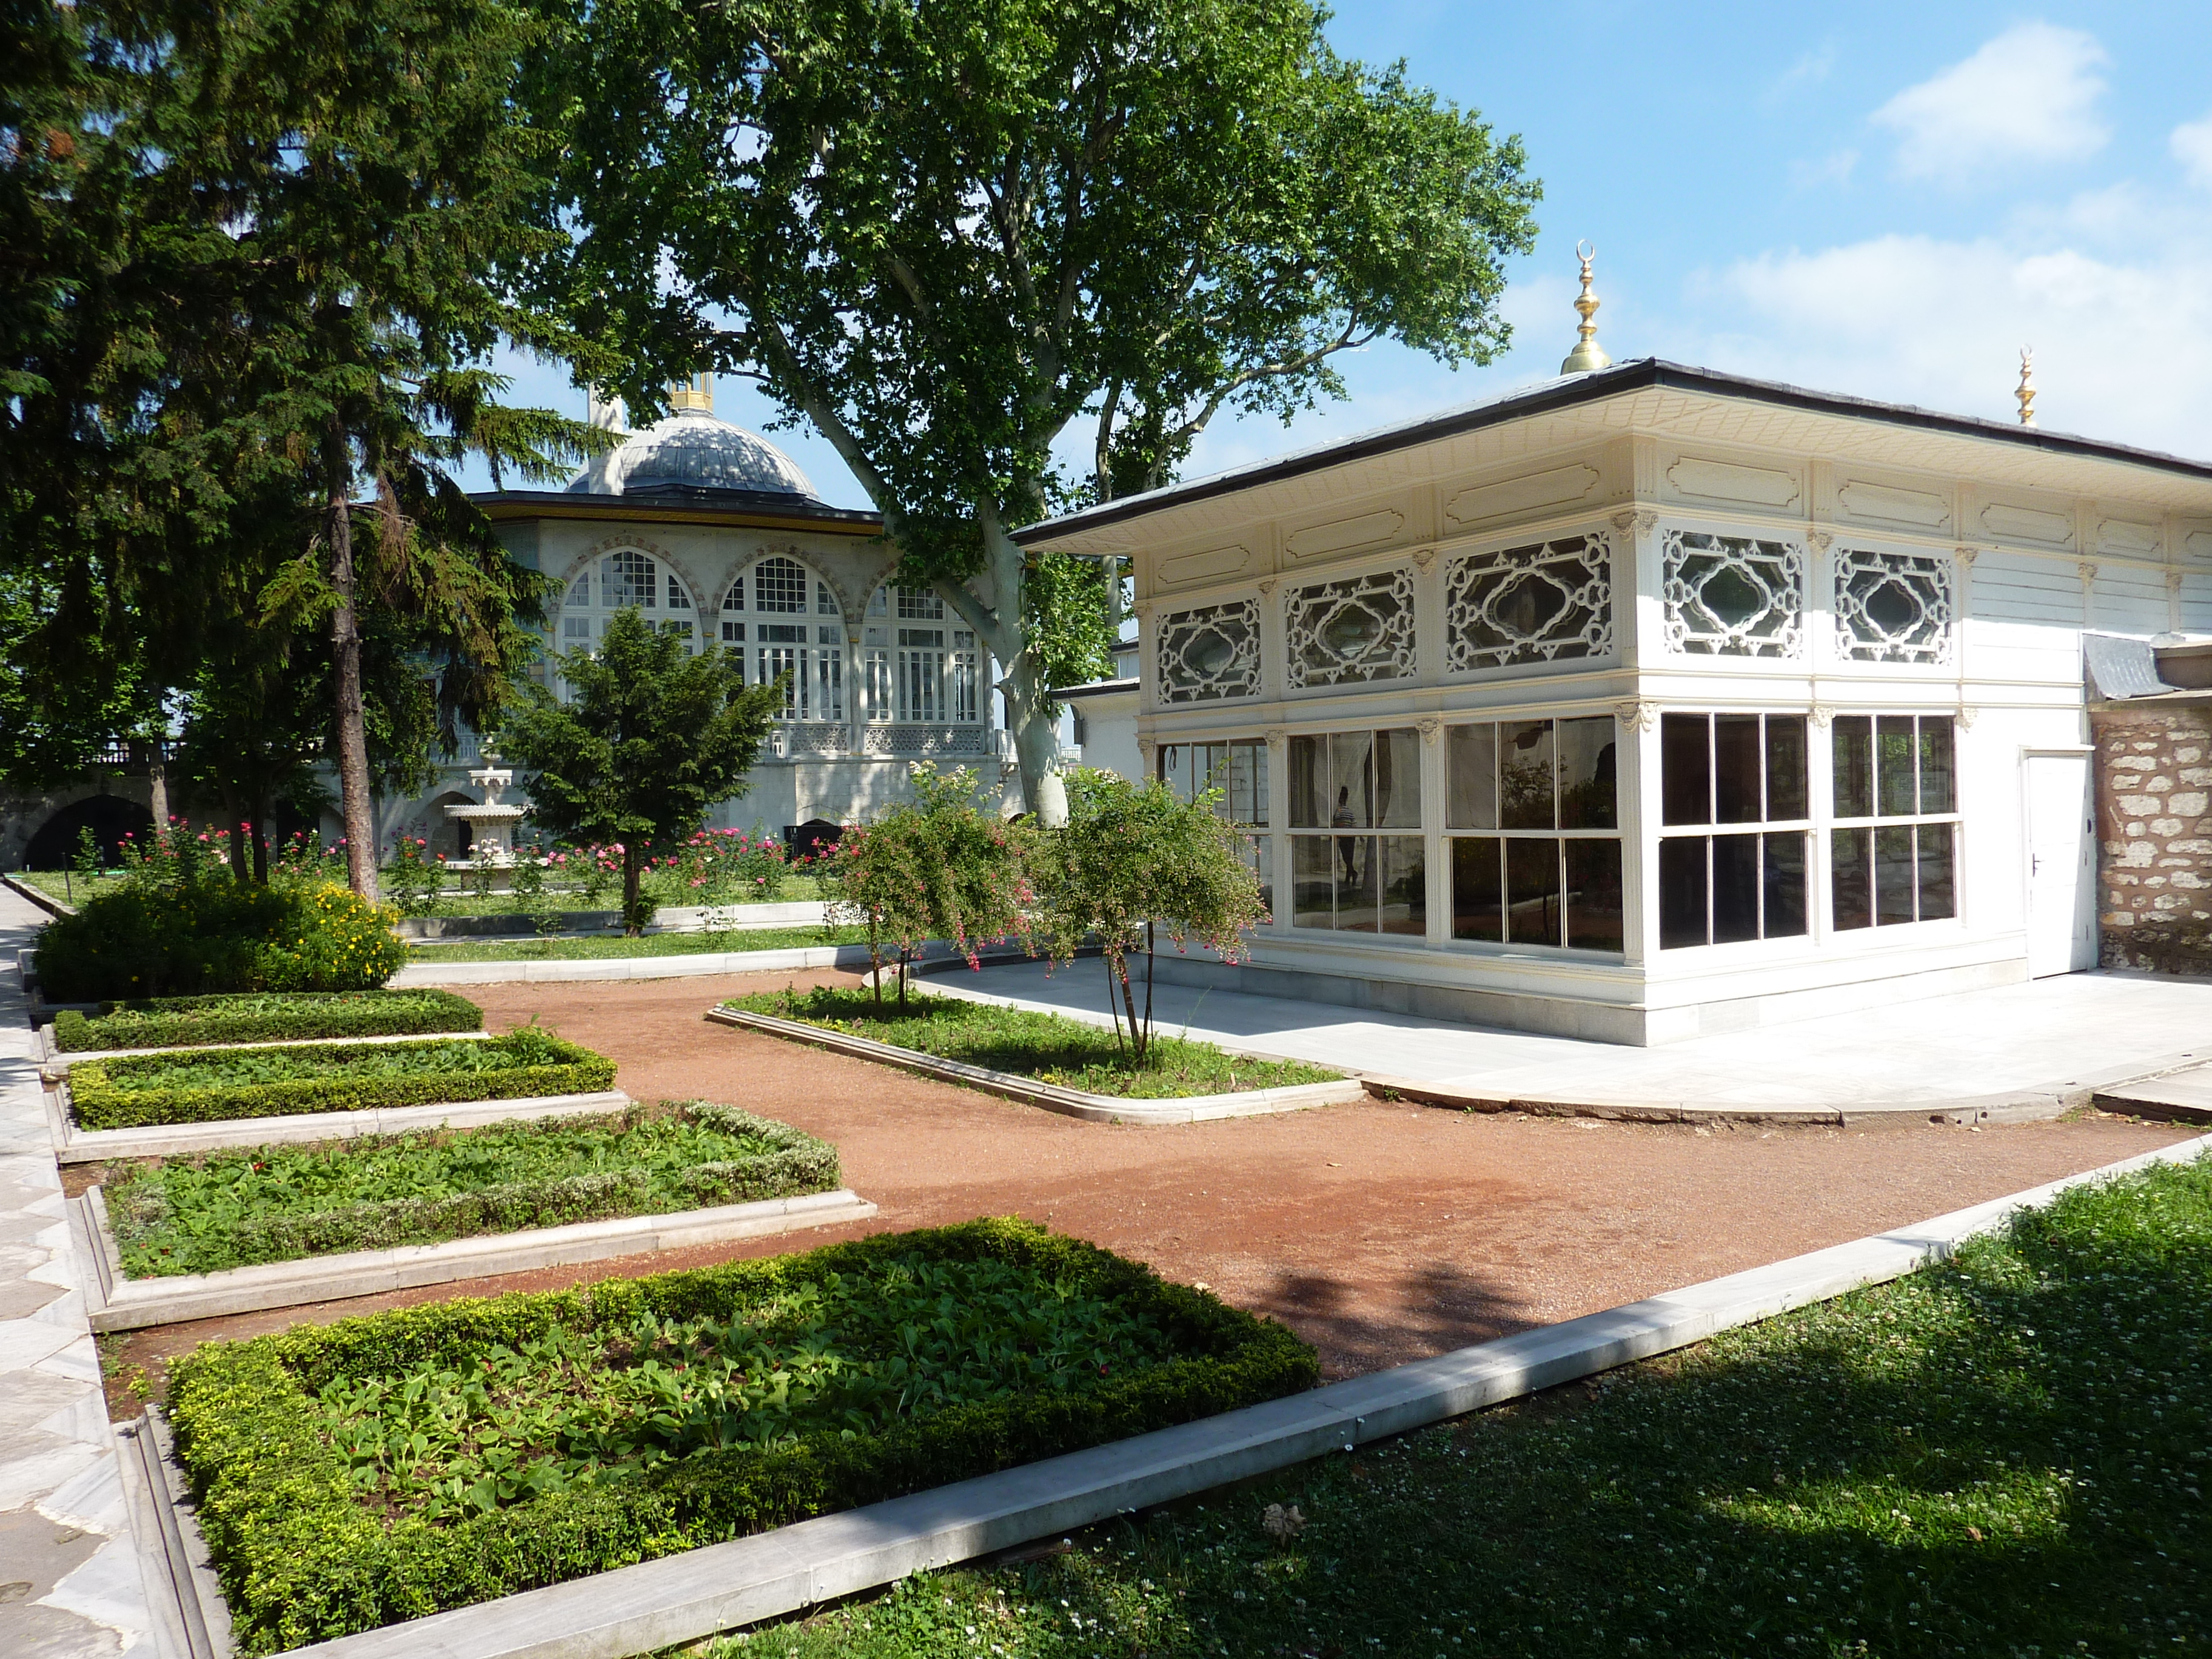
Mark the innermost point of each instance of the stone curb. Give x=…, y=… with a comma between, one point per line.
x=47, y=902
x=1069, y=1103
x=421, y=974
x=59, y=1060
x=686, y=1597
x=74, y=1146
x=116, y=1302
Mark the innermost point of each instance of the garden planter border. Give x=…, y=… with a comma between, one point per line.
x=1069, y=1103
x=55, y=1062
x=720, y=1587
x=114, y=1302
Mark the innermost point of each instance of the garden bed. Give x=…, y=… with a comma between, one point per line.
x=201, y=1085
x=387, y=1467
x=653, y=944
x=266, y=1017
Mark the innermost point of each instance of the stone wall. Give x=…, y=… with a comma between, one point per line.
x=2154, y=779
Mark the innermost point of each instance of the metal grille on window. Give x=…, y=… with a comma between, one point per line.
x=1733, y=596
x=1209, y=653
x=1358, y=862
x=1525, y=604
x=1533, y=821
x=1734, y=812
x=1348, y=632
x=1238, y=769
x=1893, y=852
x=1893, y=607
x=780, y=585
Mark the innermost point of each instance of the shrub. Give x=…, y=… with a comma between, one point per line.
x=276, y=1017
x=307, y=1550
x=200, y=1085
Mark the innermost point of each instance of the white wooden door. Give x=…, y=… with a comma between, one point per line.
x=2062, y=844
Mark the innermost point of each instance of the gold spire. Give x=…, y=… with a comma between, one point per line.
x=697, y=392
x=2027, y=391
x=1588, y=353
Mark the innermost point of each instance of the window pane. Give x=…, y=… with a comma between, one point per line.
x=1854, y=743
x=1524, y=775
x=1892, y=876
x=1938, y=793
x=1735, y=770
x=1686, y=776
x=1478, y=900
x=1937, y=897
x=1851, y=882
x=1350, y=779
x=1593, y=912
x=1784, y=910
x=1586, y=775
x=1472, y=803
x=1247, y=782
x=1175, y=768
x=1736, y=888
x=1405, y=886
x=1786, y=794
x=1263, y=870
x=1398, y=779
x=1311, y=887
x=1359, y=900
x=1532, y=891
x=1309, y=783
x=1895, y=766
x=1682, y=891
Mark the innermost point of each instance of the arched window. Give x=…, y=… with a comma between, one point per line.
x=765, y=620
x=625, y=578
x=923, y=669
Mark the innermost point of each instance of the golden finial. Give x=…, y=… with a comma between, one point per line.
x=696, y=393
x=1588, y=353
x=2027, y=391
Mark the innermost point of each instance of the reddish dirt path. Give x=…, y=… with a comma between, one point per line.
x=1381, y=1232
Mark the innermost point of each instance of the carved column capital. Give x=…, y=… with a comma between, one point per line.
x=1431, y=728
x=2088, y=569
x=1274, y=735
x=1145, y=749
x=1820, y=540
x=1424, y=557
x=1641, y=519
x=1967, y=715
x=1268, y=586
x=2173, y=581
x=1638, y=714
x=1966, y=556
x=1821, y=714
x=1143, y=610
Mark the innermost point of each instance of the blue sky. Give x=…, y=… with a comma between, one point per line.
x=1883, y=199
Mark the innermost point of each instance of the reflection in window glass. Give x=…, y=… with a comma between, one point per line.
x=1735, y=888
x=1532, y=891
x=1896, y=768
x=1892, y=767
x=1313, y=885
x=1787, y=774
x=1524, y=775
x=1588, y=795
x=1933, y=864
x=1308, y=783
x=1594, y=917
x=1472, y=754
x=1478, y=897
x=1350, y=779
x=1357, y=898
x=1532, y=884
x=1736, y=756
x=1343, y=784
x=1404, y=900
x=1682, y=908
x=1853, y=740
x=1782, y=896
x=1686, y=768
x=1850, y=852
x=1727, y=889
x=1397, y=785
x=1894, y=896
x=1937, y=790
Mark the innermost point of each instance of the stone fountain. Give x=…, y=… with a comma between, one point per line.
x=491, y=825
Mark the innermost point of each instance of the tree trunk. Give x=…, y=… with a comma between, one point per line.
x=633, y=890
x=1000, y=626
x=345, y=651
x=157, y=785
x=240, y=866
x=263, y=813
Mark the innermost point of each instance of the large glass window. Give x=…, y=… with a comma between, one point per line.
x=764, y=621
x=625, y=578
x=1734, y=809
x=1894, y=852
x=1533, y=822
x=1238, y=768
x=1356, y=857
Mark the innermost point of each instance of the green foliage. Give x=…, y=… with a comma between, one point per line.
x=229, y=1209
x=202, y=1085
x=1050, y=1048
x=1133, y=859
x=652, y=737
x=178, y=1022
x=287, y=1444
x=416, y=881
x=653, y=944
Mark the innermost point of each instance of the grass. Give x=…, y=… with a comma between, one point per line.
x=259, y=1016
x=2007, y=1456
x=653, y=944
x=66, y=885
x=234, y=1068
x=1050, y=1047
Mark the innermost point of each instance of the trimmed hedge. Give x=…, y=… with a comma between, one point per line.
x=141, y=1212
x=130, y=1093
x=274, y=1017
x=302, y=1559
x=216, y=936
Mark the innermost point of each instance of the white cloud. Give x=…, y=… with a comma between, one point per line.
x=1811, y=69
x=2027, y=96
x=2192, y=147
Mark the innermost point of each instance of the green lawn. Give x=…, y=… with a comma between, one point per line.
x=653, y=944
x=68, y=887
x=2005, y=1456
x=1050, y=1047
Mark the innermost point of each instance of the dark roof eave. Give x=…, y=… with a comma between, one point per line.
x=719, y=506
x=1094, y=688
x=1638, y=376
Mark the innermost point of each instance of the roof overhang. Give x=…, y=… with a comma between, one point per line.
x=725, y=509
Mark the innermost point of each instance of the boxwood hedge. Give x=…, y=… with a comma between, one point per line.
x=200, y=1085
x=270, y=1016
x=303, y=1558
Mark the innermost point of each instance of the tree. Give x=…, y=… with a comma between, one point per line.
x=650, y=740
x=943, y=232
x=1132, y=860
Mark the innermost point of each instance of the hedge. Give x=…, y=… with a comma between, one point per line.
x=302, y=1559
x=274, y=1017
x=798, y=1163
x=129, y=1093
x=218, y=936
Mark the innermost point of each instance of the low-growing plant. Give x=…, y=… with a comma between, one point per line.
x=263, y=1016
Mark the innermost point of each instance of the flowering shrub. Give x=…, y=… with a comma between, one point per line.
x=332, y=940
x=414, y=878
x=720, y=866
x=304, y=860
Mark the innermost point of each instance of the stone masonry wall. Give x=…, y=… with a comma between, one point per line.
x=2155, y=833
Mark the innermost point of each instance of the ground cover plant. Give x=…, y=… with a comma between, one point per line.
x=1050, y=1047
x=386, y=1468
x=232, y=1208
x=198, y=1086
x=2004, y=1456
x=263, y=1016
x=652, y=945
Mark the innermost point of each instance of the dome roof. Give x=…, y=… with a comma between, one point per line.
x=693, y=449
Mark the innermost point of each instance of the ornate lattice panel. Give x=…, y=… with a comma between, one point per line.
x=1524, y=604
x=1346, y=632
x=1733, y=596
x=910, y=739
x=1893, y=607
x=1210, y=653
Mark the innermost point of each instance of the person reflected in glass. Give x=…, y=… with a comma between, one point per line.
x=1347, y=847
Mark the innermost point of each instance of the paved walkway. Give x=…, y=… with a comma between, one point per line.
x=62, y=1531
x=2078, y=1029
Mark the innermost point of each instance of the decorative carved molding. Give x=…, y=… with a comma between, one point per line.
x=1528, y=604
x=2088, y=569
x=1423, y=559
x=1821, y=714
x=1728, y=480
x=1350, y=632
x=1147, y=747
x=1733, y=596
x=1893, y=504
x=1431, y=728
x=1208, y=653
x=1893, y=607
x=1820, y=540
x=1968, y=713
x=1143, y=610
x=1268, y=586
x=1638, y=715
x=1557, y=488
x=1640, y=519
x=1966, y=556
x=1344, y=534
x=2173, y=581
x=1274, y=735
